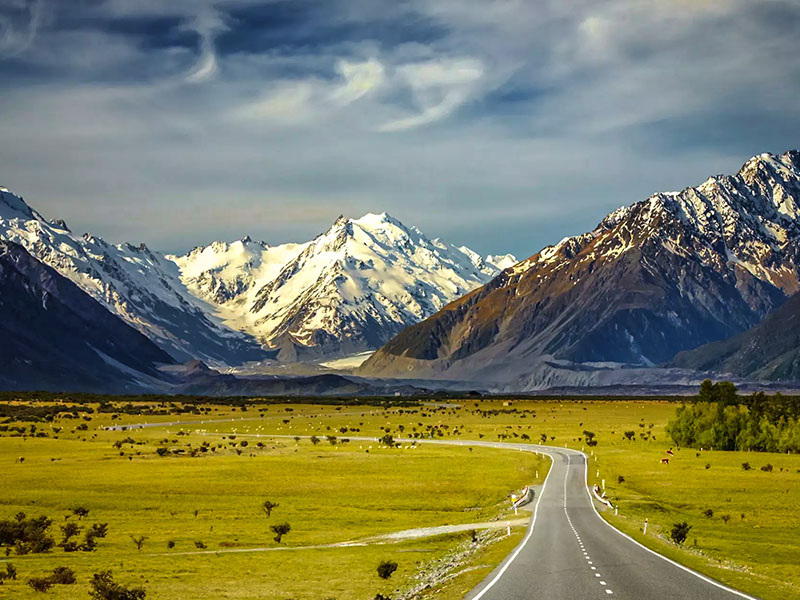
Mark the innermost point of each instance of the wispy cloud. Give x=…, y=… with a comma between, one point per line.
x=19, y=23
x=439, y=87
x=207, y=25
x=153, y=118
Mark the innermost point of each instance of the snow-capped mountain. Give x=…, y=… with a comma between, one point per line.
x=348, y=290
x=139, y=285
x=56, y=337
x=663, y=275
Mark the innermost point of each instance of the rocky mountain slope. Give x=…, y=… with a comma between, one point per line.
x=55, y=337
x=769, y=351
x=350, y=289
x=663, y=275
x=140, y=286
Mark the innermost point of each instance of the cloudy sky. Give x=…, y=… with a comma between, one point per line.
x=504, y=125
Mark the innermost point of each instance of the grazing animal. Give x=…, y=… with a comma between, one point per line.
x=664, y=461
x=670, y=452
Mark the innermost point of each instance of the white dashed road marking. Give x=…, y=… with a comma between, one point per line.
x=577, y=537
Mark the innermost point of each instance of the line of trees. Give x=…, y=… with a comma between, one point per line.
x=718, y=418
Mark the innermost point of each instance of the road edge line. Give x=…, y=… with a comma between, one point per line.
x=689, y=570
x=528, y=535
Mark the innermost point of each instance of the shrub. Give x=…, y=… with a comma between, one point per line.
x=11, y=572
x=162, y=451
x=280, y=531
x=105, y=588
x=746, y=466
x=63, y=576
x=268, y=506
x=767, y=468
x=620, y=479
x=171, y=544
x=679, y=532
x=138, y=540
x=40, y=584
x=708, y=513
x=200, y=545
x=386, y=568
x=80, y=512
x=314, y=440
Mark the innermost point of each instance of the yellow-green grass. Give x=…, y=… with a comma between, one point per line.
x=327, y=493
x=759, y=554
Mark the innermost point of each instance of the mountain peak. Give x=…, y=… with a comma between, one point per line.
x=15, y=203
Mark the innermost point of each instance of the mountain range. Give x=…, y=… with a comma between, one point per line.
x=768, y=351
x=663, y=275
x=349, y=290
x=661, y=292
x=56, y=337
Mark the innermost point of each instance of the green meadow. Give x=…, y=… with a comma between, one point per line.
x=358, y=490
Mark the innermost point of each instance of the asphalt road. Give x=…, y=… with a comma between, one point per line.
x=570, y=552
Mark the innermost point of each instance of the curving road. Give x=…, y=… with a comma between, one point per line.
x=571, y=552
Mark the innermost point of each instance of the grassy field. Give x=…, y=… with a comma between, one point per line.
x=328, y=494
x=351, y=491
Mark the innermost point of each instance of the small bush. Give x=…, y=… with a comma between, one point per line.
x=767, y=468
x=63, y=576
x=386, y=568
x=171, y=544
x=280, y=531
x=200, y=545
x=679, y=532
x=620, y=479
x=105, y=588
x=746, y=466
x=40, y=584
x=708, y=513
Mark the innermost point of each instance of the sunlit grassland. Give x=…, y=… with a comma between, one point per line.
x=329, y=494
x=339, y=493
x=758, y=553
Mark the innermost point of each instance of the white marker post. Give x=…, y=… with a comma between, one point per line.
x=508, y=530
x=604, y=485
x=645, y=527
x=615, y=511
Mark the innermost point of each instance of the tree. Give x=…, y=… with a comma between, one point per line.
x=69, y=531
x=679, y=532
x=105, y=588
x=706, y=391
x=139, y=541
x=268, y=506
x=543, y=438
x=386, y=568
x=388, y=440
x=280, y=531
x=314, y=440
x=80, y=512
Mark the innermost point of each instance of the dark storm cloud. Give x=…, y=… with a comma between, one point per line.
x=503, y=125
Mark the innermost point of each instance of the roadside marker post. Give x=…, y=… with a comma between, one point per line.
x=645, y=527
